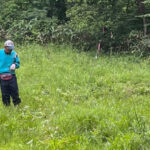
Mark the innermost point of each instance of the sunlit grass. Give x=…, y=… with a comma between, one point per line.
x=71, y=100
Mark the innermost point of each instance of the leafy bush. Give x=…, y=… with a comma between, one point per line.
x=34, y=30
x=138, y=44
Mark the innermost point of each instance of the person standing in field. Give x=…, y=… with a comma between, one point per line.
x=9, y=62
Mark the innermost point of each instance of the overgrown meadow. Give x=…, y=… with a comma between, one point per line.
x=72, y=101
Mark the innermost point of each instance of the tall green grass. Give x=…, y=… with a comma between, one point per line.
x=71, y=100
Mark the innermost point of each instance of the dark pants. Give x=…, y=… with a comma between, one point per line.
x=9, y=88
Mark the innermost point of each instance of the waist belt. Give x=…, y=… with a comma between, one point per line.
x=6, y=76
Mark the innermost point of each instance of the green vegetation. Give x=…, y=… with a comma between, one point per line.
x=119, y=25
x=71, y=100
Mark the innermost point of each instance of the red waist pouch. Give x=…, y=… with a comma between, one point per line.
x=6, y=76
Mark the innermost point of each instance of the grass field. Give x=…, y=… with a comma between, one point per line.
x=72, y=101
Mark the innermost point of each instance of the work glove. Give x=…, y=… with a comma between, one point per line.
x=13, y=67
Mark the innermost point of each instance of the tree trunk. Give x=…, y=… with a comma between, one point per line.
x=145, y=26
x=141, y=11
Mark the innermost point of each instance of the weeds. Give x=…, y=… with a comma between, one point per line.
x=72, y=101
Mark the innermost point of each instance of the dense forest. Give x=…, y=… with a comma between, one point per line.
x=119, y=25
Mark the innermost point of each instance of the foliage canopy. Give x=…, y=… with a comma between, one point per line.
x=118, y=25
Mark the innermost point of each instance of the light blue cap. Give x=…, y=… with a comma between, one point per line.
x=9, y=44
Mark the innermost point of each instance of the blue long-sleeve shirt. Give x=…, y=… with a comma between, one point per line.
x=6, y=60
